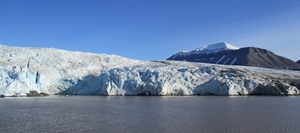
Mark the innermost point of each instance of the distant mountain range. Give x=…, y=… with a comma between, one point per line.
x=226, y=54
x=298, y=61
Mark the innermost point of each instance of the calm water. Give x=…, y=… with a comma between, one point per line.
x=150, y=114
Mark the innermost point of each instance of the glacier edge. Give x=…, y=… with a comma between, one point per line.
x=56, y=71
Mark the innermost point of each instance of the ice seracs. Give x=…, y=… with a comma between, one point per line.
x=50, y=70
x=57, y=71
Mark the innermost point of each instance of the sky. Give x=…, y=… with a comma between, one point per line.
x=151, y=29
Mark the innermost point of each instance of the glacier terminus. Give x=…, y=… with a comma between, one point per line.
x=54, y=71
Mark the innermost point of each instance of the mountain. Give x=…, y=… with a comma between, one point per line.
x=54, y=71
x=226, y=54
x=210, y=49
x=298, y=61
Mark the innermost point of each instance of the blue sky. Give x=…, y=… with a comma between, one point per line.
x=151, y=29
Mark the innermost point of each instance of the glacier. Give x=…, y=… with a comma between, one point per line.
x=56, y=71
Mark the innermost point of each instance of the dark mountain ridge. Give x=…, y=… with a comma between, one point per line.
x=247, y=56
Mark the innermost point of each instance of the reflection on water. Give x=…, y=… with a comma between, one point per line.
x=150, y=114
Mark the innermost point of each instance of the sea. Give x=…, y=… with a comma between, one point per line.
x=150, y=114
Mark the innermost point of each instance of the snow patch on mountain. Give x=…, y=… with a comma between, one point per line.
x=212, y=48
x=233, y=61
x=220, y=59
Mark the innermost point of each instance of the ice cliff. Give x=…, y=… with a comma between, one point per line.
x=56, y=71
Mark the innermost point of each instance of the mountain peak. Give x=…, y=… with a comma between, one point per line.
x=218, y=47
x=209, y=49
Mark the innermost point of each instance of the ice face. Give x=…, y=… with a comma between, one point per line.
x=76, y=73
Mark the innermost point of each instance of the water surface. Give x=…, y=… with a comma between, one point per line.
x=150, y=114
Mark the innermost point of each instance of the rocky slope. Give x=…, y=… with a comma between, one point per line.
x=56, y=71
x=226, y=54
